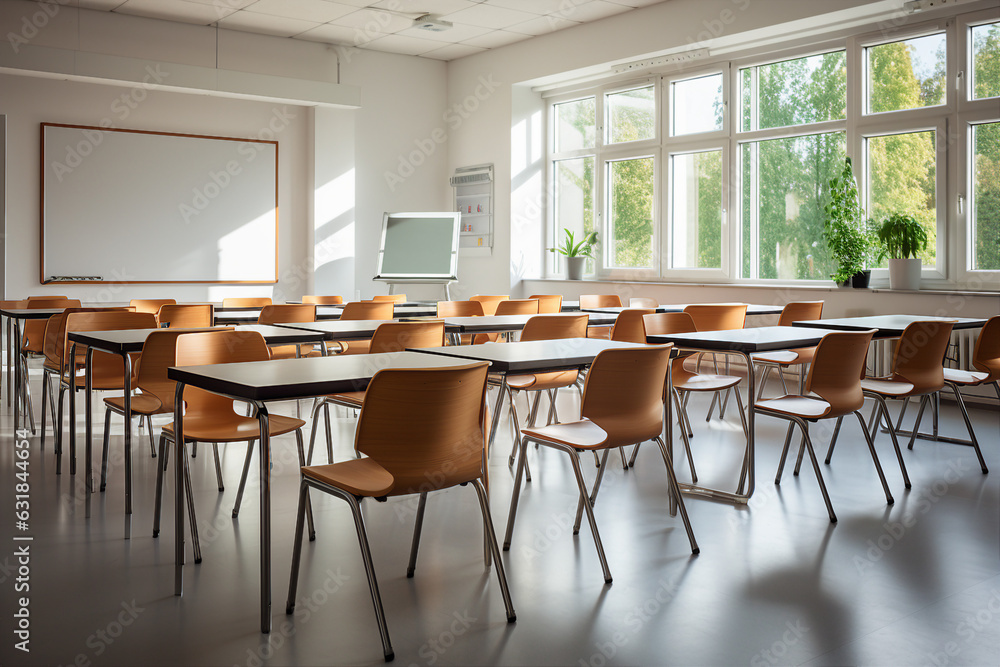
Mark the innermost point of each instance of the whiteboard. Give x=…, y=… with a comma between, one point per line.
x=419, y=247
x=130, y=206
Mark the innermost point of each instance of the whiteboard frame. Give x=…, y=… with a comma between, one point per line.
x=45, y=280
x=429, y=278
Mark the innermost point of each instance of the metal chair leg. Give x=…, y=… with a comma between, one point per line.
x=45, y=384
x=302, y=463
x=417, y=528
x=883, y=409
x=104, y=449
x=833, y=440
x=675, y=490
x=484, y=507
x=819, y=473
x=149, y=430
x=968, y=425
x=916, y=424
x=159, y=486
x=515, y=494
x=784, y=452
x=581, y=484
x=191, y=513
x=878, y=466
x=218, y=466
x=243, y=479
x=592, y=498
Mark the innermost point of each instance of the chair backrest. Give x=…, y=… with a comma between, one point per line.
x=159, y=353
x=629, y=327
x=394, y=298
x=398, y=336
x=287, y=312
x=150, y=305
x=836, y=371
x=490, y=302
x=549, y=327
x=426, y=426
x=919, y=355
x=517, y=307
x=623, y=393
x=668, y=323
x=986, y=353
x=246, y=302
x=33, y=331
x=548, y=303
x=187, y=315
x=323, y=300
x=40, y=303
x=216, y=347
x=642, y=302
x=600, y=301
x=43, y=297
x=718, y=316
x=459, y=309
x=368, y=310
x=799, y=311
x=54, y=341
x=107, y=321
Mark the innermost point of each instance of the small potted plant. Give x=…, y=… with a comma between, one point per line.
x=903, y=237
x=576, y=253
x=852, y=240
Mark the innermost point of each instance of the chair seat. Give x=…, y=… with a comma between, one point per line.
x=235, y=428
x=707, y=383
x=542, y=381
x=352, y=398
x=582, y=434
x=355, y=346
x=288, y=351
x=802, y=355
x=807, y=407
x=359, y=477
x=959, y=376
x=142, y=404
x=890, y=388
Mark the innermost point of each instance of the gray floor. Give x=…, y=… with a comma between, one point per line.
x=915, y=583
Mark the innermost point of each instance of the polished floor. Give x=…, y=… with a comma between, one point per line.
x=914, y=583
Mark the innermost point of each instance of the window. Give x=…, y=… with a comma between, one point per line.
x=631, y=115
x=630, y=213
x=696, y=105
x=794, y=92
x=985, y=61
x=573, y=197
x=575, y=125
x=696, y=210
x=984, y=218
x=908, y=74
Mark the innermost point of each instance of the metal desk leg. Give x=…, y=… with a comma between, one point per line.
x=265, y=517
x=179, y=450
x=72, y=410
x=16, y=390
x=10, y=368
x=127, y=400
x=496, y=410
x=88, y=385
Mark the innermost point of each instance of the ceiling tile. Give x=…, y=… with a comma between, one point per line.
x=420, y=7
x=175, y=10
x=266, y=24
x=537, y=6
x=453, y=51
x=495, y=38
x=318, y=11
x=410, y=46
x=374, y=23
x=331, y=34
x=227, y=4
x=488, y=16
x=103, y=4
x=457, y=33
x=542, y=25
x=594, y=11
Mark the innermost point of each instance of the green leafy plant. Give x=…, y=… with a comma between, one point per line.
x=902, y=235
x=571, y=248
x=853, y=240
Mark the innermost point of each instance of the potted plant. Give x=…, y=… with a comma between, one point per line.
x=576, y=253
x=852, y=240
x=903, y=237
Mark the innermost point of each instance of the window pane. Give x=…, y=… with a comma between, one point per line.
x=696, y=105
x=986, y=61
x=573, y=199
x=906, y=75
x=985, y=209
x=784, y=189
x=630, y=213
x=696, y=210
x=576, y=125
x=902, y=174
x=794, y=92
x=631, y=115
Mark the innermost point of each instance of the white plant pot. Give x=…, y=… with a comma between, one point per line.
x=904, y=274
x=574, y=267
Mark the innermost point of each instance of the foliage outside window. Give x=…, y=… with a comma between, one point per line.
x=986, y=61
x=985, y=206
x=794, y=92
x=908, y=74
x=630, y=213
x=631, y=115
x=696, y=105
x=575, y=125
x=696, y=210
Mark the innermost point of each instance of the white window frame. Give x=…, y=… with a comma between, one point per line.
x=606, y=270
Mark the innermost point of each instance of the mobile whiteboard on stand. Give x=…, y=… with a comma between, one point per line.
x=419, y=248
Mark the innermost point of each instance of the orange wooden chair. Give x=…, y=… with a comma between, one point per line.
x=323, y=300
x=622, y=405
x=150, y=305
x=246, y=302
x=986, y=361
x=32, y=346
x=460, y=309
x=363, y=310
x=211, y=418
x=422, y=431
x=833, y=389
x=628, y=325
x=548, y=303
x=599, y=301
x=717, y=317
x=394, y=298
x=795, y=311
x=507, y=307
x=186, y=316
x=490, y=302
x=289, y=312
x=389, y=337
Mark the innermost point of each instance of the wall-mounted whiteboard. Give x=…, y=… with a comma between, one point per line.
x=419, y=247
x=130, y=206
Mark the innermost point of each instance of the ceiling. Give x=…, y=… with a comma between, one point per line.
x=381, y=25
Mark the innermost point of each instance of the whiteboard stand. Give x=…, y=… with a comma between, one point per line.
x=419, y=249
x=445, y=285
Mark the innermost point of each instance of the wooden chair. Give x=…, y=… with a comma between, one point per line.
x=917, y=370
x=246, y=302
x=363, y=310
x=150, y=305
x=986, y=361
x=394, y=298
x=628, y=325
x=289, y=312
x=459, y=309
x=157, y=397
x=642, y=302
x=422, y=431
x=323, y=300
x=717, y=317
x=389, y=337
x=211, y=418
x=599, y=301
x=507, y=307
x=548, y=303
x=32, y=345
x=833, y=389
x=490, y=302
x=795, y=311
x=622, y=405
x=186, y=316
